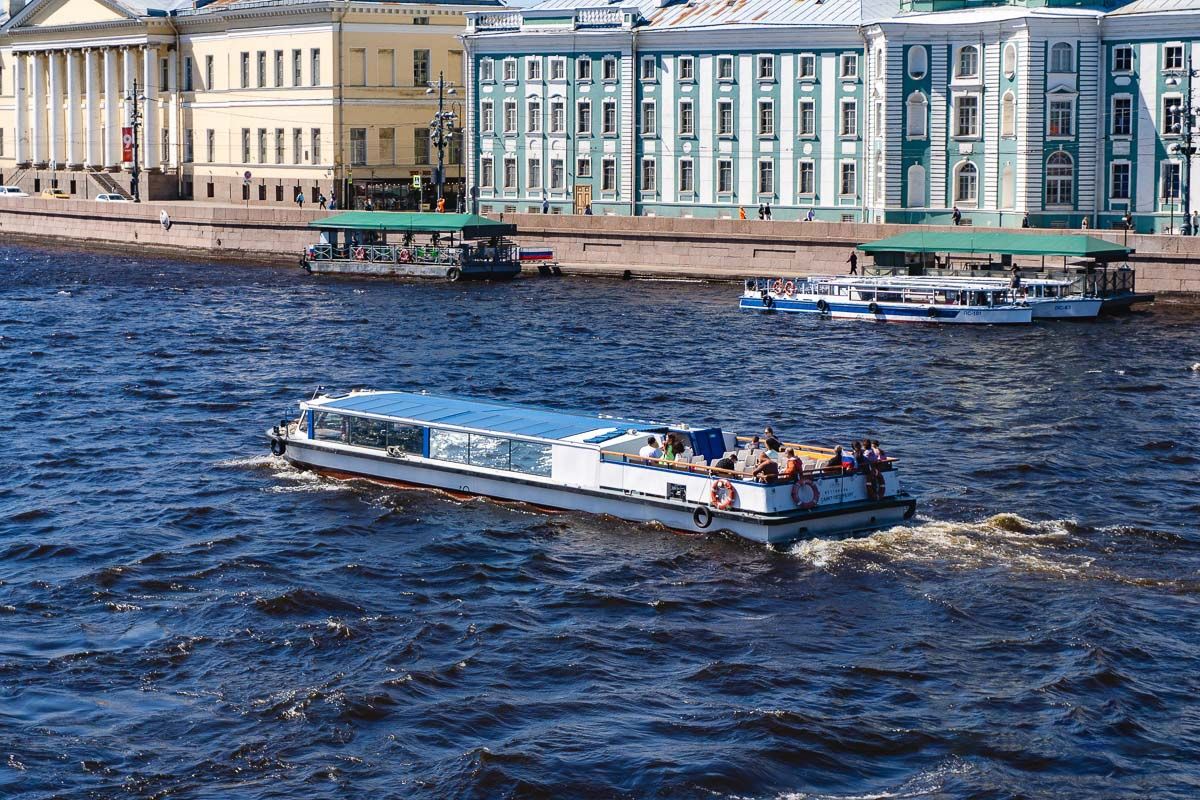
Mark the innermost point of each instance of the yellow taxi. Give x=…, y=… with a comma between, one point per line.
x=55, y=194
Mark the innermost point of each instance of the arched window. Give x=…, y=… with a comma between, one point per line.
x=968, y=62
x=880, y=65
x=966, y=183
x=1010, y=59
x=918, y=115
x=1062, y=57
x=1060, y=179
x=1008, y=187
x=1008, y=115
x=916, y=187
x=918, y=62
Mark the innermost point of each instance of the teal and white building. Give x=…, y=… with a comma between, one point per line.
x=851, y=110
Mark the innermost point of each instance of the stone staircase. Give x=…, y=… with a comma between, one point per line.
x=107, y=184
x=15, y=178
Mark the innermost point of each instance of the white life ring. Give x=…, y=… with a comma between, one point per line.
x=359, y=253
x=164, y=219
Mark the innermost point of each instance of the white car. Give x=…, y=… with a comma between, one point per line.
x=12, y=191
x=111, y=198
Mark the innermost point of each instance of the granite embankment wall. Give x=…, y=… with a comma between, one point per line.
x=647, y=246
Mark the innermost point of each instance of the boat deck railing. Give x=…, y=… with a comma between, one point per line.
x=1098, y=282
x=412, y=254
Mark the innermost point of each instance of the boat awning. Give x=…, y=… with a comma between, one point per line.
x=999, y=243
x=468, y=226
x=481, y=416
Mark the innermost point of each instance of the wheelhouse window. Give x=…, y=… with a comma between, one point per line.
x=449, y=446
x=329, y=427
x=367, y=432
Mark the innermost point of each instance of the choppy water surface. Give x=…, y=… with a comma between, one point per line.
x=183, y=616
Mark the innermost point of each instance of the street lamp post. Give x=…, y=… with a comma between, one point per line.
x=441, y=128
x=135, y=119
x=1182, y=124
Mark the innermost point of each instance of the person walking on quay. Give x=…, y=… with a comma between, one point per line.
x=767, y=211
x=853, y=262
x=1025, y=221
x=741, y=213
x=1085, y=224
x=762, y=213
x=1128, y=220
x=1196, y=223
x=957, y=216
x=810, y=216
x=587, y=212
x=545, y=205
x=300, y=200
x=321, y=202
x=332, y=201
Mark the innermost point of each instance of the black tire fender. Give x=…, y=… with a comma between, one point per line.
x=278, y=447
x=702, y=517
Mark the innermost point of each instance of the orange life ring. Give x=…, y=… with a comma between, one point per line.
x=359, y=253
x=405, y=256
x=816, y=493
x=722, y=494
x=789, y=288
x=777, y=286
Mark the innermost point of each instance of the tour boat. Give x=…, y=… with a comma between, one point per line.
x=587, y=463
x=414, y=245
x=888, y=299
x=1048, y=298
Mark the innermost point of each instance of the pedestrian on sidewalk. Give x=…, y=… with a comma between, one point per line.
x=545, y=205
x=956, y=216
x=1025, y=221
x=321, y=202
x=768, y=212
x=300, y=200
x=332, y=201
x=741, y=213
x=853, y=262
x=762, y=214
x=810, y=216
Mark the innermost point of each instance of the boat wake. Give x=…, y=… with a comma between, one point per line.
x=1061, y=549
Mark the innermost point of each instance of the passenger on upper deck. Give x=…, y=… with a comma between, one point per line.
x=869, y=452
x=794, y=467
x=727, y=463
x=836, y=459
x=879, y=454
x=755, y=444
x=766, y=469
x=650, y=449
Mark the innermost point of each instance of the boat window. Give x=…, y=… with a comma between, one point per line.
x=489, y=451
x=408, y=438
x=449, y=446
x=329, y=427
x=531, y=458
x=366, y=432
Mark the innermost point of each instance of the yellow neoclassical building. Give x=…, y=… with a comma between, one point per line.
x=323, y=98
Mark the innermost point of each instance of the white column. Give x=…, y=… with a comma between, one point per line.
x=150, y=134
x=128, y=75
x=112, y=101
x=21, y=110
x=172, y=90
x=91, y=131
x=39, y=110
x=73, y=159
x=54, y=97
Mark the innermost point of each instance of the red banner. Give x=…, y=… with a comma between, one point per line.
x=127, y=144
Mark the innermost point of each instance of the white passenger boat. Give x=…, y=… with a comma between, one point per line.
x=886, y=299
x=1049, y=298
x=585, y=463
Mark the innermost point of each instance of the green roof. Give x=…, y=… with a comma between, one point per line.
x=998, y=243
x=469, y=226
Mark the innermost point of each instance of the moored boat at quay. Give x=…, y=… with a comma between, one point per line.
x=589, y=463
x=888, y=299
x=1049, y=298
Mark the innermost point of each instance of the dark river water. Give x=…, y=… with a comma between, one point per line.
x=184, y=616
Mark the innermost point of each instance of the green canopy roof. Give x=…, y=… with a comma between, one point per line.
x=998, y=243
x=469, y=226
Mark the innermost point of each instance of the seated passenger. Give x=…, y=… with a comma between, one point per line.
x=879, y=454
x=766, y=470
x=794, y=468
x=650, y=449
x=774, y=445
x=755, y=444
x=836, y=459
x=671, y=447
x=728, y=462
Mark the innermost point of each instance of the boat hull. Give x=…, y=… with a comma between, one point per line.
x=387, y=269
x=892, y=312
x=825, y=521
x=1066, y=308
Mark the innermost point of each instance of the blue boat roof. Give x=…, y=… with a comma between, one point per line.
x=495, y=417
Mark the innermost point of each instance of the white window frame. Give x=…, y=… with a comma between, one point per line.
x=723, y=165
x=511, y=125
x=842, y=166
x=1112, y=111
x=848, y=131
x=648, y=69
x=1008, y=115
x=1169, y=52
x=917, y=62
x=722, y=75
x=608, y=69
x=648, y=118
x=1056, y=104
x=687, y=69
x=558, y=69
x=533, y=173
x=487, y=116
x=511, y=185
x=558, y=174
x=811, y=105
x=1008, y=60
x=605, y=107
x=916, y=103
x=766, y=61
x=766, y=118
x=959, y=55
x=1170, y=167
x=648, y=169
x=1166, y=99
x=608, y=166
x=583, y=113
x=962, y=167
x=1059, y=64
x=509, y=73
x=583, y=167
x=724, y=106
x=766, y=170
x=487, y=172
x=487, y=70
x=533, y=68
x=558, y=115
x=806, y=67
x=956, y=119
x=812, y=171
x=687, y=177
x=848, y=66
x=1112, y=181
x=1122, y=48
x=1070, y=183
x=583, y=69
x=687, y=118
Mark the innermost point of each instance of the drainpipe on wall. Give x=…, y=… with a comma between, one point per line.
x=339, y=165
x=177, y=122
x=867, y=171
x=633, y=110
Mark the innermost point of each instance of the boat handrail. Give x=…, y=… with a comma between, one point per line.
x=799, y=448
